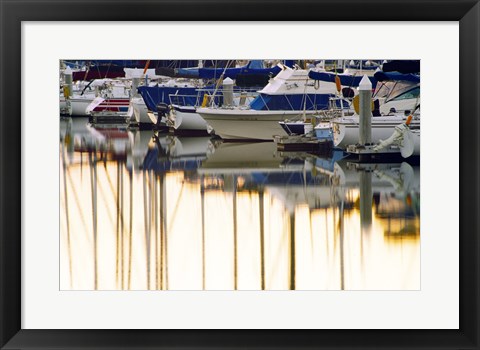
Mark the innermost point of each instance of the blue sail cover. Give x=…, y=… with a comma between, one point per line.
x=186, y=96
x=346, y=80
x=215, y=73
x=187, y=72
x=295, y=102
x=153, y=95
x=255, y=64
x=254, y=67
x=232, y=73
x=395, y=76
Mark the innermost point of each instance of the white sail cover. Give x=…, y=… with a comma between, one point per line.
x=138, y=73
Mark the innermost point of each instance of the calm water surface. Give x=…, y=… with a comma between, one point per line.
x=189, y=213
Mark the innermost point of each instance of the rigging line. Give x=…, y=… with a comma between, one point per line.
x=110, y=182
x=130, y=230
x=155, y=219
x=77, y=202
x=103, y=196
x=202, y=195
x=262, y=239
x=334, y=223
x=146, y=227
x=122, y=224
x=98, y=70
x=108, y=69
x=93, y=184
x=219, y=82
x=177, y=204
x=276, y=254
x=292, y=251
x=87, y=69
x=67, y=215
x=311, y=229
x=164, y=198
x=117, y=227
x=326, y=233
x=305, y=100
x=235, y=262
x=162, y=229
x=149, y=222
x=342, y=257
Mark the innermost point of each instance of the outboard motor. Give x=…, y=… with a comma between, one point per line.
x=162, y=110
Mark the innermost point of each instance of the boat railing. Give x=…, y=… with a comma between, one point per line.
x=236, y=89
x=242, y=97
x=184, y=100
x=206, y=97
x=337, y=107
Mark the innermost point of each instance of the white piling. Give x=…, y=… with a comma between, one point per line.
x=243, y=98
x=135, y=84
x=228, y=92
x=365, y=119
x=68, y=82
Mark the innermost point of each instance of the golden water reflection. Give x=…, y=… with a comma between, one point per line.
x=177, y=213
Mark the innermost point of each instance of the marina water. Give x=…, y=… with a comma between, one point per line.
x=151, y=211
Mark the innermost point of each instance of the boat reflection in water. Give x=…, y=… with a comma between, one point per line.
x=171, y=213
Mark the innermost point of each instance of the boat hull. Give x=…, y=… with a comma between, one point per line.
x=239, y=157
x=346, y=130
x=140, y=111
x=296, y=128
x=188, y=119
x=153, y=117
x=79, y=105
x=246, y=124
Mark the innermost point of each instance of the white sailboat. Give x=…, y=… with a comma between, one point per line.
x=290, y=95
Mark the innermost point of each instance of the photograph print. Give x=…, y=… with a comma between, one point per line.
x=239, y=174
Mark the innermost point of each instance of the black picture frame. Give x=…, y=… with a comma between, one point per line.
x=13, y=12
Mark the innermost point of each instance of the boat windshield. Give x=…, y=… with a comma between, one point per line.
x=383, y=88
x=391, y=89
x=409, y=94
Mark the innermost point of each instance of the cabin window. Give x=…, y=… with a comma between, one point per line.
x=414, y=93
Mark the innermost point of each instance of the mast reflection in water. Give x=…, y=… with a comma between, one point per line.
x=188, y=213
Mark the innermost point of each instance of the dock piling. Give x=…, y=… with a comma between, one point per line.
x=228, y=92
x=365, y=119
x=68, y=83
